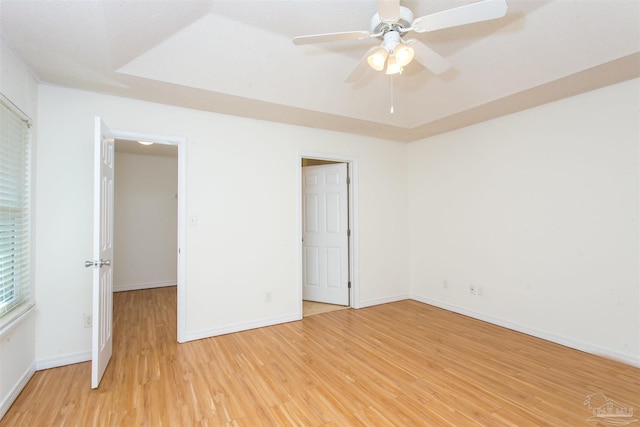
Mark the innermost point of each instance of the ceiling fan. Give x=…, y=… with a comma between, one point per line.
x=393, y=21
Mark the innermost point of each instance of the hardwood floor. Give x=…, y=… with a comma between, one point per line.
x=311, y=308
x=404, y=364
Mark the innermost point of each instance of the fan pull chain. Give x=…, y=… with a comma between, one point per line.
x=391, y=80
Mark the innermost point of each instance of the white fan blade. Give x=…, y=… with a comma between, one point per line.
x=475, y=12
x=361, y=67
x=331, y=37
x=389, y=10
x=427, y=57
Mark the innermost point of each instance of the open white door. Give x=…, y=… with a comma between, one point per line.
x=102, y=252
x=325, y=242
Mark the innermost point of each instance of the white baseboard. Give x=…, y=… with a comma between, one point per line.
x=237, y=327
x=17, y=388
x=385, y=300
x=628, y=359
x=63, y=360
x=139, y=286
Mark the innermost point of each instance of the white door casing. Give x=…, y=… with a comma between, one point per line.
x=181, y=143
x=102, y=252
x=325, y=242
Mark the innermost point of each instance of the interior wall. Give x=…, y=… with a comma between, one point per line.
x=539, y=212
x=17, y=338
x=243, y=187
x=146, y=221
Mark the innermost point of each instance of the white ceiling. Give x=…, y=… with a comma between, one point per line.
x=236, y=57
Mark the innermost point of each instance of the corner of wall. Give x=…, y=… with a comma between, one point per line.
x=17, y=348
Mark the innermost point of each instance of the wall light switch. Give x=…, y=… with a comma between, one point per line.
x=193, y=221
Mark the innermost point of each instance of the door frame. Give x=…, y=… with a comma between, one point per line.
x=181, y=143
x=352, y=162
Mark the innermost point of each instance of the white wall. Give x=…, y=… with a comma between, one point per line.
x=17, y=342
x=540, y=209
x=17, y=82
x=146, y=221
x=242, y=184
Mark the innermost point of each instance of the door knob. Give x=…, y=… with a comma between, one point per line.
x=89, y=263
x=106, y=262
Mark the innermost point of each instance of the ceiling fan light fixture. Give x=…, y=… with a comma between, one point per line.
x=393, y=67
x=403, y=54
x=393, y=21
x=378, y=58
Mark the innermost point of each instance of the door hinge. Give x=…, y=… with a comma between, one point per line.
x=348, y=180
x=349, y=285
x=349, y=233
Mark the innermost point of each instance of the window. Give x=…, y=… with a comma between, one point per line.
x=14, y=207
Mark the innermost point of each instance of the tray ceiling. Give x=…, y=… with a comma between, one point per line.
x=236, y=57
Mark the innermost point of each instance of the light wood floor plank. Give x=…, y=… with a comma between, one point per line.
x=398, y=364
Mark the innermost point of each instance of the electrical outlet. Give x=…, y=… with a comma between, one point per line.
x=87, y=320
x=472, y=289
x=267, y=297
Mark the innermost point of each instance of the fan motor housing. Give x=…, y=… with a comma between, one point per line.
x=405, y=19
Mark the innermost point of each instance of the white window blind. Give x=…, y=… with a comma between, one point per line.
x=14, y=208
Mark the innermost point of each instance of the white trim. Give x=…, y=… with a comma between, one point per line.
x=139, y=286
x=355, y=233
x=182, y=240
x=63, y=360
x=16, y=110
x=16, y=389
x=15, y=317
x=181, y=143
x=298, y=243
x=628, y=359
x=354, y=251
x=239, y=327
x=385, y=300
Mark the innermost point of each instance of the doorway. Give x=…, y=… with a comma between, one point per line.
x=328, y=234
x=145, y=215
x=166, y=145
